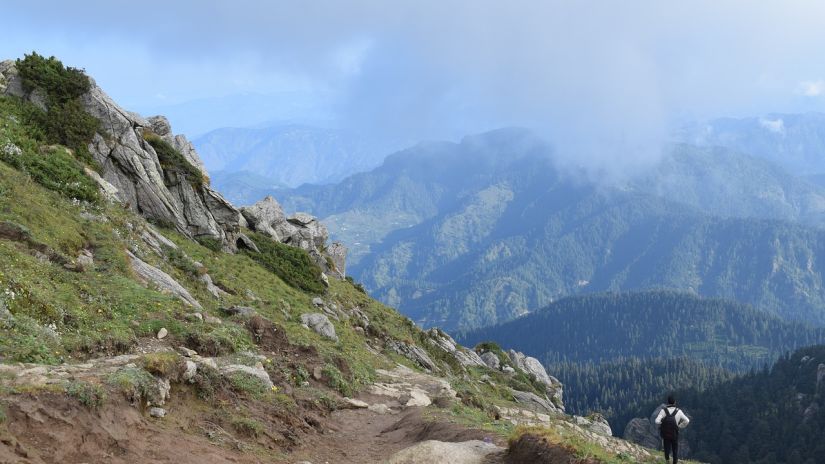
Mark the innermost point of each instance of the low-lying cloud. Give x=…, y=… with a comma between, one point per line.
x=603, y=81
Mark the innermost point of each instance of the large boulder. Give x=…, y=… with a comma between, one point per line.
x=164, y=282
x=465, y=357
x=130, y=165
x=321, y=324
x=596, y=423
x=535, y=402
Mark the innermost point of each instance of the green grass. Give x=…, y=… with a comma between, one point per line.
x=335, y=380
x=172, y=161
x=135, y=383
x=291, y=264
x=248, y=427
x=163, y=364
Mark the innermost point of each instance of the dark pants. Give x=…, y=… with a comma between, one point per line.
x=671, y=446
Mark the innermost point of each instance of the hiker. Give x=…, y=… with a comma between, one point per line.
x=670, y=420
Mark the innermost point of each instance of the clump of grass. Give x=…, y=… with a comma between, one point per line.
x=218, y=340
x=335, y=380
x=248, y=427
x=248, y=384
x=211, y=243
x=89, y=395
x=165, y=364
x=135, y=383
x=172, y=161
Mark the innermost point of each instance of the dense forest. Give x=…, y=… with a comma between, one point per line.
x=775, y=415
x=657, y=324
x=621, y=389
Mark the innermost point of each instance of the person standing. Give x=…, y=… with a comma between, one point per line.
x=670, y=419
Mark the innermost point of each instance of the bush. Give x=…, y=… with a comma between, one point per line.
x=65, y=121
x=56, y=170
x=173, y=161
x=292, y=265
x=249, y=384
x=89, y=395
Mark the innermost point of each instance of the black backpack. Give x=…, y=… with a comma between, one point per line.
x=669, y=429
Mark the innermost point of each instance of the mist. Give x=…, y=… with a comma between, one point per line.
x=604, y=82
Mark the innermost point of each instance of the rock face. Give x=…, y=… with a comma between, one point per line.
x=465, y=357
x=531, y=365
x=535, y=403
x=130, y=166
x=413, y=353
x=439, y=452
x=596, y=423
x=491, y=360
x=300, y=230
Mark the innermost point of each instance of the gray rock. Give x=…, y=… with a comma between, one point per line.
x=190, y=371
x=157, y=412
x=534, y=402
x=256, y=371
x=532, y=366
x=820, y=376
x=325, y=279
x=596, y=423
x=10, y=149
x=321, y=324
x=338, y=252
x=164, y=281
x=186, y=351
x=108, y=190
x=162, y=333
x=638, y=431
x=465, y=357
x=131, y=166
x=413, y=353
x=439, y=452
x=243, y=311
x=508, y=369
x=85, y=261
x=156, y=241
x=210, y=319
x=491, y=360
x=213, y=289
x=317, y=301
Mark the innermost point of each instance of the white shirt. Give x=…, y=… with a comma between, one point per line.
x=681, y=419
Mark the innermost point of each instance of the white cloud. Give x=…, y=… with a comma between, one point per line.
x=811, y=88
x=777, y=126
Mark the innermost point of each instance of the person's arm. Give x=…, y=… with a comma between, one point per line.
x=682, y=419
x=660, y=417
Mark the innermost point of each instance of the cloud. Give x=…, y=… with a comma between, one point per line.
x=811, y=88
x=603, y=81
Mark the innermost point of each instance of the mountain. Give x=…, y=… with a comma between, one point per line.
x=289, y=155
x=125, y=312
x=794, y=141
x=775, y=415
x=470, y=234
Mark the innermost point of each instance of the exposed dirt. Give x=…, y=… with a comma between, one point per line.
x=532, y=449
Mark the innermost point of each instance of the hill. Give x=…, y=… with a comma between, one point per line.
x=143, y=319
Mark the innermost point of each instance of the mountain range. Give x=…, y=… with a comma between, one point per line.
x=465, y=235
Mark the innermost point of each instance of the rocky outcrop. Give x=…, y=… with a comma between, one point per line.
x=532, y=366
x=300, y=230
x=164, y=282
x=595, y=423
x=535, y=402
x=413, y=353
x=133, y=173
x=465, y=357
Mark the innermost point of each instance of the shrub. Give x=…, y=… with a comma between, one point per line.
x=89, y=395
x=336, y=381
x=249, y=384
x=207, y=381
x=173, y=161
x=292, y=265
x=65, y=121
x=56, y=170
x=248, y=427
x=134, y=382
x=301, y=375
x=210, y=242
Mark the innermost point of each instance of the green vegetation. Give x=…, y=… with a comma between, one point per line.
x=64, y=122
x=172, y=161
x=54, y=167
x=163, y=364
x=335, y=380
x=247, y=427
x=291, y=264
x=135, y=383
x=89, y=394
x=248, y=384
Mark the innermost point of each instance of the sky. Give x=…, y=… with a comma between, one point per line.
x=604, y=81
